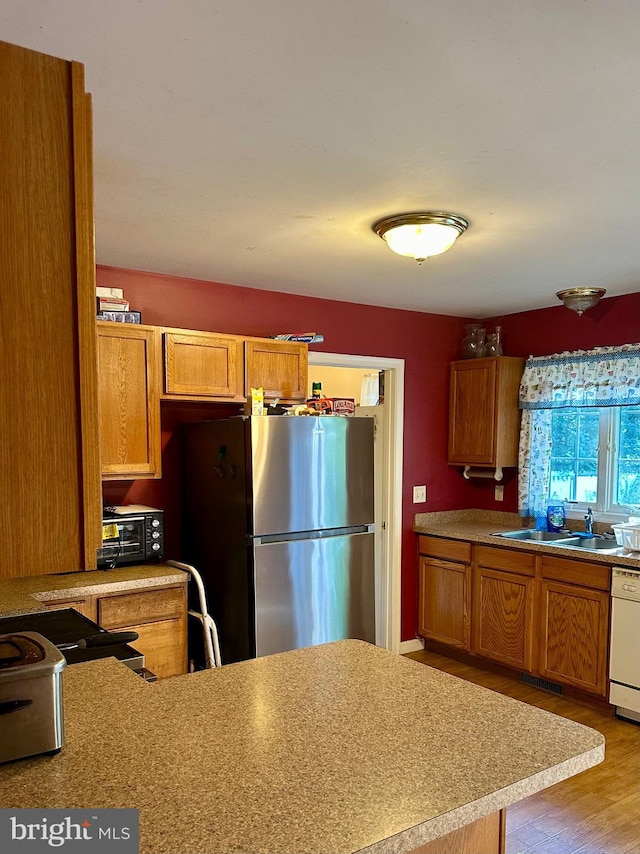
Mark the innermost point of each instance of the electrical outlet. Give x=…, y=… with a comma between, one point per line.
x=419, y=494
x=499, y=492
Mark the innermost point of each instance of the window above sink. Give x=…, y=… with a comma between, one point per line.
x=595, y=458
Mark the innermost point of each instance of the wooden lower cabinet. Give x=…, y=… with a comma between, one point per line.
x=158, y=615
x=536, y=613
x=444, y=601
x=85, y=606
x=574, y=633
x=484, y=836
x=503, y=617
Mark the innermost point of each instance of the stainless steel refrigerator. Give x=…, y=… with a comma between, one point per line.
x=278, y=520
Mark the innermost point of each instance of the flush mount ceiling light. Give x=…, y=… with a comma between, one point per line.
x=580, y=299
x=420, y=235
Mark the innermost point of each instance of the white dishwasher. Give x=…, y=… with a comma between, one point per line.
x=624, y=662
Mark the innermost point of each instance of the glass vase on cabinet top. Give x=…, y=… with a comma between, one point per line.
x=473, y=344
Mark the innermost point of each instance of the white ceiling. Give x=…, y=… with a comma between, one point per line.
x=254, y=142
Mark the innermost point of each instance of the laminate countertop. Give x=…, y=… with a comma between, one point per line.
x=31, y=594
x=481, y=526
x=331, y=749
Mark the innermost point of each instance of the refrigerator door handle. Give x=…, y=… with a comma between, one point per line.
x=310, y=535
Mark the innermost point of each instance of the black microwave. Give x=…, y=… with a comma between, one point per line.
x=131, y=534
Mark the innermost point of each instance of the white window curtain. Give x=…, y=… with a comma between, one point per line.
x=606, y=376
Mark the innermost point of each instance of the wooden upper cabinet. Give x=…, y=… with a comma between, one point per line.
x=279, y=367
x=49, y=463
x=484, y=418
x=129, y=362
x=202, y=366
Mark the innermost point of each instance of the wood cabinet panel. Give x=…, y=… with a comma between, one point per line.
x=579, y=572
x=574, y=634
x=458, y=550
x=164, y=646
x=444, y=601
x=483, y=411
x=503, y=615
x=48, y=377
x=472, y=403
x=85, y=606
x=279, y=367
x=201, y=365
x=508, y=559
x=128, y=358
x=127, y=608
x=484, y=836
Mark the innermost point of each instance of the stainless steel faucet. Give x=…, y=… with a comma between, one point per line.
x=588, y=521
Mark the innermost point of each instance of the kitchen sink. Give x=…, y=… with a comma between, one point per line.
x=538, y=536
x=590, y=544
x=561, y=540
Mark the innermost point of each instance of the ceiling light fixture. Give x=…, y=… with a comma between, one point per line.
x=580, y=299
x=420, y=235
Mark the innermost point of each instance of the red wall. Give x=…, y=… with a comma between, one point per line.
x=426, y=342
x=550, y=330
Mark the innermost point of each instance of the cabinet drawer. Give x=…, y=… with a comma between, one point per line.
x=448, y=549
x=509, y=560
x=595, y=575
x=133, y=608
x=86, y=607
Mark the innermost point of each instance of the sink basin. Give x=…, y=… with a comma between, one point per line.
x=538, y=536
x=591, y=544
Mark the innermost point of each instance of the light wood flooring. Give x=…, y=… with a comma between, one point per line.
x=595, y=812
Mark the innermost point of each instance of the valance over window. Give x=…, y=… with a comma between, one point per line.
x=606, y=376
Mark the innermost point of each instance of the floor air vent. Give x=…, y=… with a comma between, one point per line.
x=544, y=684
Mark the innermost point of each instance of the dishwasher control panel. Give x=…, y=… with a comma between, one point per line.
x=625, y=583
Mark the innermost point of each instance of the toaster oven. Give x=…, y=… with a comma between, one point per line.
x=131, y=534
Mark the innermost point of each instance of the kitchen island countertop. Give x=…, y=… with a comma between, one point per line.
x=336, y=748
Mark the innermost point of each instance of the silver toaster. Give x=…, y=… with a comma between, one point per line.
x=31, y=712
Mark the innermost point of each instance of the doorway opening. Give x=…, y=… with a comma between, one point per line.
x=389, y=415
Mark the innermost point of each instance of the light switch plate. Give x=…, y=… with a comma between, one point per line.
x=419, y=494
x=499, y=492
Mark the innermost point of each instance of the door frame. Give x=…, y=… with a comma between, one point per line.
x=389, y=604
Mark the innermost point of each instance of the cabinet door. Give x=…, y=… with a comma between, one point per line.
x=203, y=366
x=574, y=634
x=160, y=619
x=49, y=465
x=279, y=367
x=129, y=401
x=164, y=646
x=503, y=617
x=472, y=406
x=443, y=609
